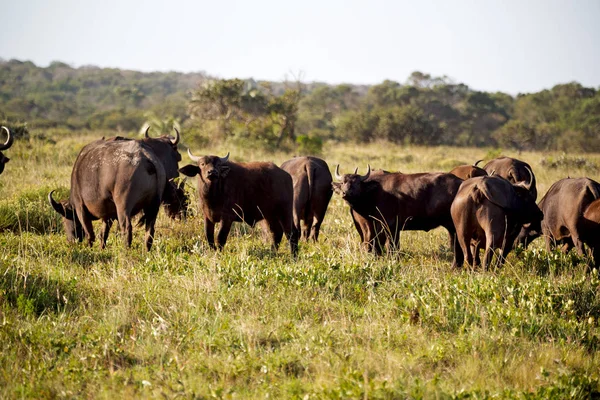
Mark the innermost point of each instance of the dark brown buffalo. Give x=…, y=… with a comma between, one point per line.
x=249, y=192
x=469, y=171
x=113, y=179
x=364, y=226
x=174, y=199
x=5, y=146
x=490, y=209
x=570, y=217
x=395, y=202
x=514, y=170
x=312, y=192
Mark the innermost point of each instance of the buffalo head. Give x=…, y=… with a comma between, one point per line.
x=165, y=147
x=351, y=186
x=175, y=201
x=210, y=168
x=71, y=223
x=530, y=212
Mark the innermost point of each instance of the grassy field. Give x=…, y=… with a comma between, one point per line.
x=184, y=321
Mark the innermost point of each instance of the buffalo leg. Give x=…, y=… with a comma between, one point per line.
x=457, y=249
x=223, y=233
x=209, y=231
x=319, y=216
x=86, y=223
x=106, y=225
x=578, y=245
x=125, y=226
x=596, y=255
x=292, y=234
x=150, y=214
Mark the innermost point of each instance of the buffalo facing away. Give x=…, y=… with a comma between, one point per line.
x=312, y=192
x=571, y=217
x=513, y=170
x=5, y=146
x=490, y=209
x=469, y=171
x=249, y=192
x=393, y=202
x=117, y=179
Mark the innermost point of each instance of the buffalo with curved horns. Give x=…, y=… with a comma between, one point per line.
x=243, y=192
x=513, y=170
x=117, y=178
x=394, y=202
x=492, y=210
x=5, y=146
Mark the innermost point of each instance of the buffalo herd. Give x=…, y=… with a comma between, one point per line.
x=491, y=207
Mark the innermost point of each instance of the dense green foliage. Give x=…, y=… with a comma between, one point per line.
x=424, y=110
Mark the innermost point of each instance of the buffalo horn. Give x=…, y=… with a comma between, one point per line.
x=337, y=173
x=478, y=161
x=57, y=206
x=366, y=176
x=193, y=157
x=224, y=159
x=9, y=139
x=355, y=170
x=528, y=185
x=176, y=137
x=146, y=133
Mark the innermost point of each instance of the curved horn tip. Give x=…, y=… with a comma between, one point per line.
x=477, y=162
x=192, y=157
x=224, y=159
x=366, y=176
x=9, y=139
x=337, y=172
x=355, y=170
x=146, y=133
x=177, y=136
x=530, y=178
x=56, y=205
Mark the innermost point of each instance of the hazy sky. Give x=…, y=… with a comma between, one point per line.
x=513, y=46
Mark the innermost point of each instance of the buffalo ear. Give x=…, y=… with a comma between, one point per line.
x=224, y=170
x=190, y=170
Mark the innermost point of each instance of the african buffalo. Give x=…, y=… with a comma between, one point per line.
x=113, y=179
x=5, y=146
x=571, y=217
x=514, y=170
x=249, y=192
x=469, y=171
x=491, y=209
x=174, y=199
x=312, y=192
x=395, y=202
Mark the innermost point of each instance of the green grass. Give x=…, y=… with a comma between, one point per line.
x=184, y=321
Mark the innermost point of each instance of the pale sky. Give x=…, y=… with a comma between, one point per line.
x=512, y=45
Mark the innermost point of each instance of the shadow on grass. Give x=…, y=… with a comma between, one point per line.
x=34, y=295
x=85, y=257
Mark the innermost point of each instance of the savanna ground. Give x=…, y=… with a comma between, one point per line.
x=184, y=321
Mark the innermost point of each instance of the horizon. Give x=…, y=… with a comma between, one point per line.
x=508, y=47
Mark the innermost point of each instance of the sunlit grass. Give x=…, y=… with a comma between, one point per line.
x=183, y=320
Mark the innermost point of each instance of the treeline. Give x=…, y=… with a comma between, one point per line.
x=423, y=110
